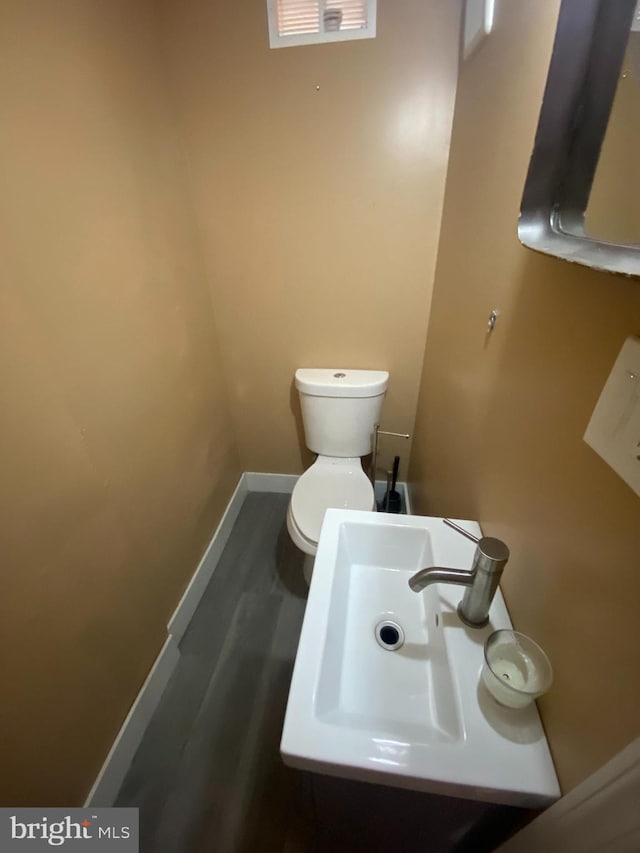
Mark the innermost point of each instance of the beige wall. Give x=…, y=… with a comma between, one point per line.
x=116, y=454
x=500, y=419
x=318, y=175
x=318, y=211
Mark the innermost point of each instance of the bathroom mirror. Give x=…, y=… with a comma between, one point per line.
x=581, y=199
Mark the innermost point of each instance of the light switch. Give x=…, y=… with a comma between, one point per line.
x=614, y=428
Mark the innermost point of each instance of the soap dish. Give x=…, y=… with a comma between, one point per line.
x=516, y=670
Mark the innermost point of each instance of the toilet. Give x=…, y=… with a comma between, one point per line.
x=340, y=410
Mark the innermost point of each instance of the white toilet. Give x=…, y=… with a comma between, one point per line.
x=340, y=409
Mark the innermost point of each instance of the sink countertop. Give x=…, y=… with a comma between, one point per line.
x=354, y=710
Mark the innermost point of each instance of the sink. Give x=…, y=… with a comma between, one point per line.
x=412, y=711
x=409, y=693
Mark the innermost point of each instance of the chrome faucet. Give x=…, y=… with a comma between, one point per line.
x=482, y=581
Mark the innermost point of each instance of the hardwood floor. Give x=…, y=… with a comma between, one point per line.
x=208, y=774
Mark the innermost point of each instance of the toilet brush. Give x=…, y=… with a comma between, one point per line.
x=393, y=497
x=382, y=506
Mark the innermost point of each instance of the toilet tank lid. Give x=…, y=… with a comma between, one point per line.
x=341, y=382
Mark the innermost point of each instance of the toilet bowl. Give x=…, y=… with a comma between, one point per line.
x=340, y=409
x=329, y=482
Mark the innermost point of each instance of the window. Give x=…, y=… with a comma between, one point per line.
x=293, y=22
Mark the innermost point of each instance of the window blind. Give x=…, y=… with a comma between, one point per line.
x=297, y=17
x=354, y=13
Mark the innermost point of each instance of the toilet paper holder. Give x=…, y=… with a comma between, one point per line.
x=374, y=455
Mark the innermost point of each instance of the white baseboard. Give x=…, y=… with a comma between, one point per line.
x=281, y=483
x=284, y=483
x=182, y=615
x=118, y=761
x=111, y=776
x=408, y=500
x=128, y=739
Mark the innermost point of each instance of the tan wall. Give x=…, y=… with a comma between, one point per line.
x=500, y=419
x=319, y=207
x=116, y=454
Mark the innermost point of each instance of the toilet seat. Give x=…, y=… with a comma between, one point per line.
x=329, y=482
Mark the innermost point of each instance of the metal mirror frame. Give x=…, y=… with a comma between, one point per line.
x=588, y=51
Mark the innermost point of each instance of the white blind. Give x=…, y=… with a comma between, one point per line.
x=354, y=13
x=296, y=17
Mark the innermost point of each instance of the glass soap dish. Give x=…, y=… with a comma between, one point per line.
x=516, y=670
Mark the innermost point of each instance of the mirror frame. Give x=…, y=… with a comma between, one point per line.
x=588, y=52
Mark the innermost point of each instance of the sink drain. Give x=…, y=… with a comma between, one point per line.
x=389, y=635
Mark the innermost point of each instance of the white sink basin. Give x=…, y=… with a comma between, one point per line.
x=407, y=694
x=417, y=716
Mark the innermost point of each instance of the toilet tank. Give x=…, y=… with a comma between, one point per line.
x=340, y=409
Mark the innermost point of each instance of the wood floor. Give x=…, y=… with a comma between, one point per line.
x=208, y=774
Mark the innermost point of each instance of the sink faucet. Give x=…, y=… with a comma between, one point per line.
x=482, y=581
